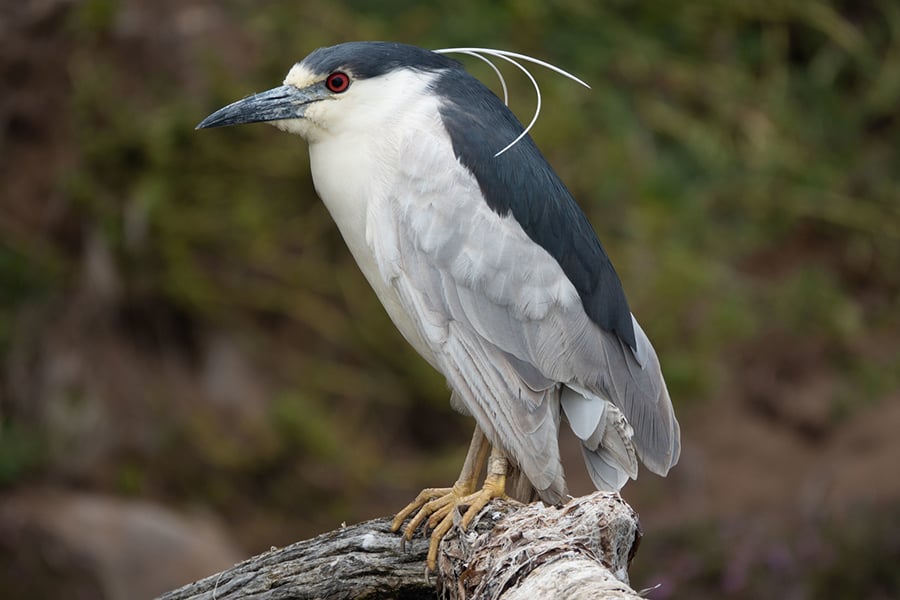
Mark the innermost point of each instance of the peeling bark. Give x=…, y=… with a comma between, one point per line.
x=511, y=552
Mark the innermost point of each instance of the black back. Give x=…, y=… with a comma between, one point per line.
x=521, y=182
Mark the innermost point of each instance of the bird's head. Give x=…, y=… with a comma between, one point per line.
x=361, y=87
x=357, y=86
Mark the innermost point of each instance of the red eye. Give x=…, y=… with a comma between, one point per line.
x=337, y=82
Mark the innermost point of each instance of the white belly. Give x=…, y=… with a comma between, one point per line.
x=336, y=173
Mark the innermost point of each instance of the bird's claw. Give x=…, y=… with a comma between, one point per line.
x=438, y=506
x=424, y=504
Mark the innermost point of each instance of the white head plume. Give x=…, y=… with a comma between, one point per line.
x=513, y=58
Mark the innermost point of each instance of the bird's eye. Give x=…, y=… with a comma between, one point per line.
x=337, y=82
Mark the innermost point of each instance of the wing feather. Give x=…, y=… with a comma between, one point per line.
x=502, y=321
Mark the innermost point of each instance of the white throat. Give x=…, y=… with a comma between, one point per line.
x=356, y=143
x=359, y=160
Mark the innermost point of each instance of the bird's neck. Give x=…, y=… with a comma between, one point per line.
x=343, y=171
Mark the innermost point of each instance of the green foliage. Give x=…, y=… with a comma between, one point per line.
x=28, y=275
x=94, y=18
x=713, y=137
x=307, y=427
x=22, y=453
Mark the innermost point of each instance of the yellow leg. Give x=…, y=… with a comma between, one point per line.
x=438, y=504
x=431, y=500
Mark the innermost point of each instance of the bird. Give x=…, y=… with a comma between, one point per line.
x=484, y=262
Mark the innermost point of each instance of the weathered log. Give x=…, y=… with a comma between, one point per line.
x=511, y=552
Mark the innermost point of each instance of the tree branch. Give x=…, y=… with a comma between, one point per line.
x=512, y=552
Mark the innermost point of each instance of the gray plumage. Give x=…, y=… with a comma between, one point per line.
x=485, y=263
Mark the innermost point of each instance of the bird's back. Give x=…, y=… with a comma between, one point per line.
x=619, y=364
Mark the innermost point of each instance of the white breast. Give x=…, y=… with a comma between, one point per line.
x=355, y=175
x=355, y=185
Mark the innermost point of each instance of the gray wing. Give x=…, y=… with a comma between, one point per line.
x=507, y=328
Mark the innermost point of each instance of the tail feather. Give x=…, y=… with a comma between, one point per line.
x=606, y=473
x=637, y=387
x=606, y=438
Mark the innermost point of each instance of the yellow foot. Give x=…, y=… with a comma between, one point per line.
x=429, y=501
x=438, y=506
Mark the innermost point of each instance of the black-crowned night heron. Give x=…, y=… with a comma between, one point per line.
x=485, y=264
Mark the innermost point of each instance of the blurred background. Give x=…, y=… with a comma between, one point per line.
x=193, y=370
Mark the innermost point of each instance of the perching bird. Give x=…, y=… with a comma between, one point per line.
x=484, y=262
